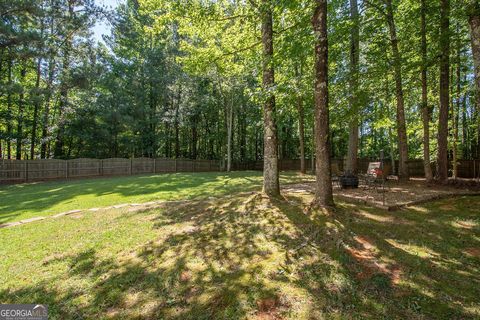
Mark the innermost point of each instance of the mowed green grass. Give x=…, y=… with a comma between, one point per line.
x=248, y=258
x=22, y=201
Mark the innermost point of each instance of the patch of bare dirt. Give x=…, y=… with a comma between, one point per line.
x=185, y=276
x=464, y=183
x=269, y=309
x=267, y=304
x=364, y=254
x=474, y=252
x=267, y=316
x=448, y=207
x=393, y=194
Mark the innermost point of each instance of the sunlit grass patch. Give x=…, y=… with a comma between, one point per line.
x=23, y=201
x=420, y=251
x=246, y=257
x=465, y=224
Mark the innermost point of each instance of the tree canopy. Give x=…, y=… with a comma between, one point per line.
x=186, y=79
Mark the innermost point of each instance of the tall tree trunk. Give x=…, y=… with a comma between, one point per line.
x=177, y=123
x=21, y=106
x=456, y=111
x=474, y=24
x=152, y=119
x=46, y=111
x=271, y=184
x=167, y=140
x=323, y=193
x=37, y=95
x=401, y=126
x=352, y=154
x=301, y=133
x=59, y=140
x=284, y=144
x=194, y=137
x=243, y=133
x=229, y=133
x=257, y=145
x=391, y=142
x=465, y=136
x=442, y=158
x=301, y=119
x=211, y=143
x=392, y=150
x=425, y=109
x=35, y=109
x=9, y=109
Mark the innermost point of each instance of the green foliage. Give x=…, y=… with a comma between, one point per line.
x=172, y=72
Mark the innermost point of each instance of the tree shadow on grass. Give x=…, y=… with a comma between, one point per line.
x=202, y=270
x=40, y=197
x=386, y=278
x=248, y=257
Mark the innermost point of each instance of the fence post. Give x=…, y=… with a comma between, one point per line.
x=66, y=169
x=26, y=170
x=154, y=165
x=175, y=164
x=101, y=167
x=193, y=165
x=131, y=166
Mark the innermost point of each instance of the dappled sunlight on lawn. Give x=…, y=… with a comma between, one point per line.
x=43, y=199
x=249, y=257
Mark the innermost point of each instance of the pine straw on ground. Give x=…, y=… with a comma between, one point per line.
x=393, y=195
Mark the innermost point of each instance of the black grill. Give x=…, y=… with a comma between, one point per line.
x=349, y=181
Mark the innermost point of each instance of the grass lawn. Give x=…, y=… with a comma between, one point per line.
x=22, y=201
x=246, y=257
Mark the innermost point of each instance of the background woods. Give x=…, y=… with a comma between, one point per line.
x=194, y=79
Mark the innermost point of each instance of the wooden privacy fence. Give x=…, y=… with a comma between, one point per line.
x=283, y=164
x=12, y=171
x=15, y=171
